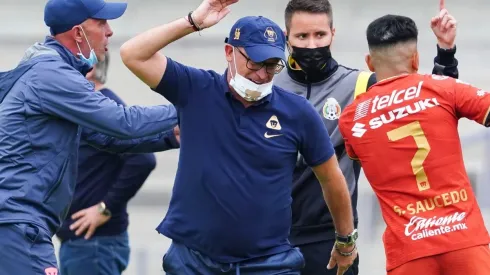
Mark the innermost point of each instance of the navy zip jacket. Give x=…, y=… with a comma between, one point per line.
x=43, y=102
x=111, y=178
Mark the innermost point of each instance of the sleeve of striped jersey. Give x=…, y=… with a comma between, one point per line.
x=471, y=102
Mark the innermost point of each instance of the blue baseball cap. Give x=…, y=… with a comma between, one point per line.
x=62, y=15
x=260, y=37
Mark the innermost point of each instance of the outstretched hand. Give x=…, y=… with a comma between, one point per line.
x=444, y=27
x=210, y=12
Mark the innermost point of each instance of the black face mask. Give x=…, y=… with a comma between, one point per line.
x=312, y=61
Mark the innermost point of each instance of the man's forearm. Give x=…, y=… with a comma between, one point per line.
x=156, y=143
x=145, y=45
x=141, y=53
x=338, y=199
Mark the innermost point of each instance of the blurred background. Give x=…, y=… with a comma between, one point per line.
x=22, y=25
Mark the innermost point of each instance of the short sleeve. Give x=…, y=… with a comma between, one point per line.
x=180, y=82
x=316, y=147
x=471, y=102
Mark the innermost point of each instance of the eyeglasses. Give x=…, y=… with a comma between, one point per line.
x=270, y=68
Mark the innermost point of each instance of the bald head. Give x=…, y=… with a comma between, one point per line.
x=392, y=41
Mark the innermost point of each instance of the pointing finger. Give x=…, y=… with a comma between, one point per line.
x=442, y=4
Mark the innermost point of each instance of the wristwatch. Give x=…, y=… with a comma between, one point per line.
x=344, y=241
x=103, y=209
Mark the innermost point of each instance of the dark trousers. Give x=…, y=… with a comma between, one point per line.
x=180, y=260
x=317, y=256
x=26, y=249
x=104, y=255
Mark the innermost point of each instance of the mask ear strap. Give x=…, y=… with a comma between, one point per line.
x=86, y=39
x=234, y=62
x=80, y=50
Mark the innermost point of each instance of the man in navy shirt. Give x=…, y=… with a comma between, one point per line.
x=94, y=238
x=241, y=135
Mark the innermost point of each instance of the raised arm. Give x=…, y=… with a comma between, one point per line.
x=444, y=27
x=141, y=53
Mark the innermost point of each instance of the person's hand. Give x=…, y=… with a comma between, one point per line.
x=343, y=262
x=211, y=12
x=444, y=27
x=177, y=133
x=88, y=220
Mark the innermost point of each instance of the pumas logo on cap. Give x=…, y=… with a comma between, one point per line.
x=270, y=34
x=237, y=34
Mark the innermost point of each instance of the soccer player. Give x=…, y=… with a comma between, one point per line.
x=314, y=74
x=404, y=132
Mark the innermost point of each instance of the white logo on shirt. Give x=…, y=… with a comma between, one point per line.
x=273, y=123
x=481, y=93
x=362, y=109
x=420, y=228
x=358, y=130
x=396, y=97
x=331, y=109
x=266, y=135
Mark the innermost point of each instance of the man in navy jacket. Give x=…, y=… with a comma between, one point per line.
x=43, y=103
x=94, y=237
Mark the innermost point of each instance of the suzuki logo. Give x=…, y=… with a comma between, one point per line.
x=358, y=130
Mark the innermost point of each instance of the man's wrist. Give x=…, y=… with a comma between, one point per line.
x=195, y=22
x=445, y=58
x=446, y=47
x=346, y=240
x=103, y=210
x=174, y=143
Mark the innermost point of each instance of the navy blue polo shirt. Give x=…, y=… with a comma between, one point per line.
x=232, y=194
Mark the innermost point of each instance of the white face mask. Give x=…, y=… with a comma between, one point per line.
x=247, y=89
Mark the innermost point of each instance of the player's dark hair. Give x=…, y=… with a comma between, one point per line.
x=309, y=6
x=390, y=30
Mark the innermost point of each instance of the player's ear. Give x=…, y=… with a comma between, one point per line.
x=369, y=62
x=415, y=61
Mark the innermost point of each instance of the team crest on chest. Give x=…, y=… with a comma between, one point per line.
x=331, y=109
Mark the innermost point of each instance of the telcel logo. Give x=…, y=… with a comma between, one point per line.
x=396, y=97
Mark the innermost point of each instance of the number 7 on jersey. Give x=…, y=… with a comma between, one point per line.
x=414, y=130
